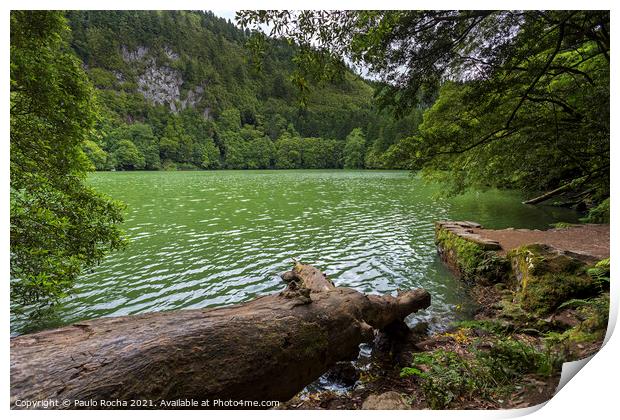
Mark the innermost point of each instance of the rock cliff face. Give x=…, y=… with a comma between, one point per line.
x=161, y=84
x=130, y=56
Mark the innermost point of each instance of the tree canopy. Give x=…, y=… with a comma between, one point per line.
x=522, y=97
x=213, y=87
x=59, y=226
x=476, y=99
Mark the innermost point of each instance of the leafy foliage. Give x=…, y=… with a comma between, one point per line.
x=128, y=156
x=95, y=155
x=599, y=213
x=355, y=149
x=489, y=370
x=523, y=96
x=59, y=226
x=593, y=314
x=222, y=90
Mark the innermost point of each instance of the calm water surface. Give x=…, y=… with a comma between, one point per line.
x=203, y=239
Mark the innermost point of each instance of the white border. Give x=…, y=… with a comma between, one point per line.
x=592, y=394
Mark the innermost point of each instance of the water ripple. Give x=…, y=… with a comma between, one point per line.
x=203, y=239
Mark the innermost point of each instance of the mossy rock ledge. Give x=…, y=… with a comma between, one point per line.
x=545, y=277
x=541, y=276
x=469, y=255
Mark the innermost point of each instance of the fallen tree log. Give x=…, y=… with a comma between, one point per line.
x=560, y=190
x=266, y=349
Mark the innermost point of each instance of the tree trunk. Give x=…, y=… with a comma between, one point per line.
x=546, y=196
x=566, y=187
x=266, y=349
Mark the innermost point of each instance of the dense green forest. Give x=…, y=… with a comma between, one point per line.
x=59, y=225
x=476, y=99
x=182, y=90
x=508, y=101
x=523, y=98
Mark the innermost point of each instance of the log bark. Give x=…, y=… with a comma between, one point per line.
x=548, y=195
x=266, y=349
x=560, y=190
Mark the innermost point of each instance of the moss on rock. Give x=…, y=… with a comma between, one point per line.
x=473, y=261
x=546, y=278
x=583, y=339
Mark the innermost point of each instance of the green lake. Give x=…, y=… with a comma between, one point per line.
x=214, y=238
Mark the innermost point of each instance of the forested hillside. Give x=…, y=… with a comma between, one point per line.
x=180, y=90
x=484, y=99
x=523, y=96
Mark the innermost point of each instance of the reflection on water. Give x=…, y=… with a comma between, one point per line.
x=201, y=239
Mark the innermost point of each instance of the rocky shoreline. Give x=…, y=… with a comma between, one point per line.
x=539, y=305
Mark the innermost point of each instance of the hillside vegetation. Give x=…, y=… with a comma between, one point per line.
x=181, y=90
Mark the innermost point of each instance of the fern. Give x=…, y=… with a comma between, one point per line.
x=575, y=303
